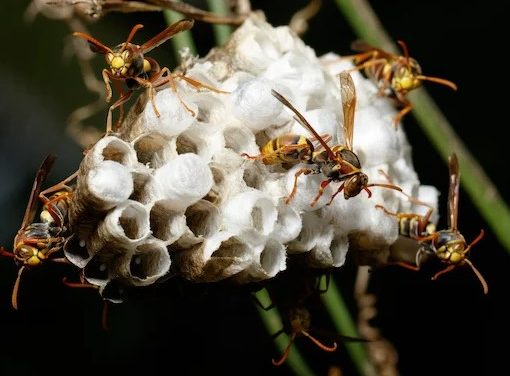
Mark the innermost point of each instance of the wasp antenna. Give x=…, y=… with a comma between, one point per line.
x=438, y=80
x=476, y=240
x=5, y=253
x=403, y=45
x=285, y=353
x=14, y=297
x=131, y=35
x=480, y=277
x=389, y=186
x=318, y=343
x=369, y=192
x=94, y=44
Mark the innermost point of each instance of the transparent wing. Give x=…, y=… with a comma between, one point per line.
x=169, y=32
x=42, y=173
x=301, y=120
x=453, y=191
x=348, y=93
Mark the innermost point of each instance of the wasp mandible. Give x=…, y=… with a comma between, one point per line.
x=35, y=242
x=395, y=75
x=449, y=245
x=338, y=163
x=127, y=64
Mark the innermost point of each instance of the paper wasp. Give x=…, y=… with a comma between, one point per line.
x=395, y=75
x=295, y=293
x=338, y=163
x=36, y=242
x=449, y=246
x=127, y=64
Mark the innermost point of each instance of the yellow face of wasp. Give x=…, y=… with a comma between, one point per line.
x=452, y=252
x=119, y=62
x=405, y=76
x=30, y=256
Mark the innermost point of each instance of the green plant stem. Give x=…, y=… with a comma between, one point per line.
x=343, y=322
x=480, y=188
x=182, y=39
x=221, y=32
x=273, y=324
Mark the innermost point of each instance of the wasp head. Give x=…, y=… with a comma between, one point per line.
x=406, y=76
x=28, y=255
x=355, y=184
x=125, y=61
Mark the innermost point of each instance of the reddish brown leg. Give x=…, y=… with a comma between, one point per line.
x=407, y=107
x=449, y=268
x=118, y=103
x=14, y=296
x=301, y=171
x=322, y=187
x=199, y=85
x=340, y=189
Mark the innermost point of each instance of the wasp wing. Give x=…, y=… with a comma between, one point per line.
x=169, y=32
x=453, y=191
x=301, y=120
x=348, y=93
x=42, y=173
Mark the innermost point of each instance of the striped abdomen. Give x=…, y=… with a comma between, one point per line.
x=288, y=149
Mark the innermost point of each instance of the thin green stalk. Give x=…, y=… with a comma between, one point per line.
x=273, y=324
x=221, y=32
x=182, y=39
x=343, y=322
x=480, y=188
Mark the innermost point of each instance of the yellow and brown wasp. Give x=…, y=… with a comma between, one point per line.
x=127, y=64
x=338, y=163
x=449, y=245
x=36, y=242
x=295, y=294
x=395, y=75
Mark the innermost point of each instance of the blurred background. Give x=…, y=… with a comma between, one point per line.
x=442, y=327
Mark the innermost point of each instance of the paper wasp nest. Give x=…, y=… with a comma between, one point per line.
x=175, y=193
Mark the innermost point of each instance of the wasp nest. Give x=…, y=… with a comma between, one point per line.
x=174, y=191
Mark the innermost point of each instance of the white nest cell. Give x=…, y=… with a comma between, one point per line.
x=183, y=181
x=166, y=224
x=153, y=149
x=148, y=263
x=111, y=148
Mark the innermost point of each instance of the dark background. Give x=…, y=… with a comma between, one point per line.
x=442, y=327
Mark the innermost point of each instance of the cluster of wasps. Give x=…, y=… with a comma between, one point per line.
x=129, y=69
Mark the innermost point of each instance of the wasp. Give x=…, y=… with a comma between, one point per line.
x=338, y=163
x=36, y=242
x=395, y=75
x=127, y=65
x=293, y=293
x=449, y=245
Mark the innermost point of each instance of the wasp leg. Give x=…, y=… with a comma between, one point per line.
x=337, y=192
x=301, y=171
x=161, y=80
x=118, y=103
x=198, y=85
x=322, y=187
x=407, y=107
